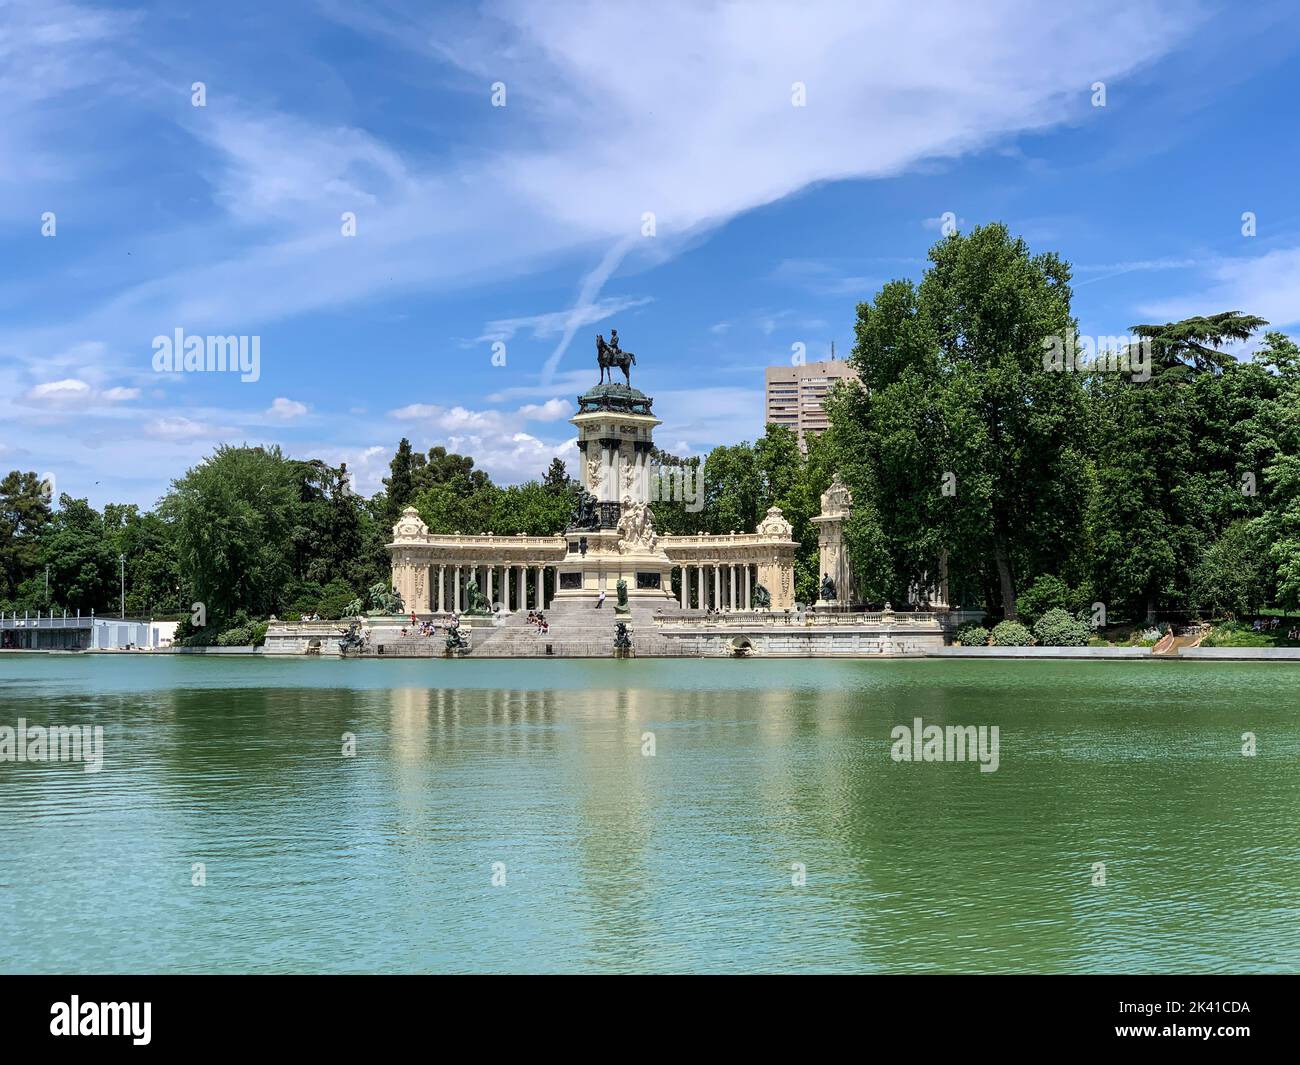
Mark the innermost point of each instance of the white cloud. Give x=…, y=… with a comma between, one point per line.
x=70, y=391
x=72, y=394
x=496, y=439
x=177, y=428
x=512, y=458
x=685, y=114
x=694, y=124
x=282, y=409
x=462, y=419
x=1267, y=285
x=550, y=411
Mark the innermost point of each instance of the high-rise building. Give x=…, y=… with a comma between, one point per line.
x=796, y=394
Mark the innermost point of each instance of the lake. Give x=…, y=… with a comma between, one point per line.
x=668, y=815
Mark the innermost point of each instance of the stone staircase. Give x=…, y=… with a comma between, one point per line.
x=577, y=631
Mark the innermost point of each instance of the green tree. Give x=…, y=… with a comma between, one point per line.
x=1277, y=423
x=1231, y=575
x=24, y=514
x=1168, y=454
x=557, y=480
x=976, y=449
x=234, y=516
x=152, y=574
x=400, y=484
x=733, y=490
x=83, y=566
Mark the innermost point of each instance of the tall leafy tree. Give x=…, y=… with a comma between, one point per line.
x=400, y=485
x=977, y=446
x=1278, y=423
x=557, y=480
x=1169, y=454
x=234, y=516
x=24, y=514
x=83, y=566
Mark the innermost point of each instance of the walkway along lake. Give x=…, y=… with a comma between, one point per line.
x=769, y=830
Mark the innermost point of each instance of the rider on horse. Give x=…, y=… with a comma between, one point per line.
x=610, y=355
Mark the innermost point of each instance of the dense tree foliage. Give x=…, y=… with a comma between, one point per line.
x=1174, y=491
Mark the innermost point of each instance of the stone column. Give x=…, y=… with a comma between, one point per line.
x=701, y=587
x=731, y=572
x=685, y=589
x=749, y=593
x=539, y=590
x=455, y=591
x=489, y=585
x=832, y=555
x=442, y=589
x=521, y=600
x=717, y=585
x=555, y=582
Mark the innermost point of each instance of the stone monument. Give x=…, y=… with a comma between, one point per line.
x=618, y=541
x=836, y=588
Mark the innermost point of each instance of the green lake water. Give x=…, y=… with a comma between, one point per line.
x=616, y=861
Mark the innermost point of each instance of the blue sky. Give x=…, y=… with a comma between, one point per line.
x=524, y=223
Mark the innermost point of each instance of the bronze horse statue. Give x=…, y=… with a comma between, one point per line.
x=609, y=355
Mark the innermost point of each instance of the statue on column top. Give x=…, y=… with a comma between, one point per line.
x=609, y=355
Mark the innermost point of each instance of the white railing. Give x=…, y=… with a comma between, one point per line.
x=483, y=541
x=782, y=619
x=723, y=540
x=52, y=623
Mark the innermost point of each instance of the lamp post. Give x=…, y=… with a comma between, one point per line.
x=121, y=569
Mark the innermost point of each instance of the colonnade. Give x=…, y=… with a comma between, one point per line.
x=515, y=585
x=717, y=585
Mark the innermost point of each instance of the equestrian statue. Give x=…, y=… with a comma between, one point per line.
x=609, y=355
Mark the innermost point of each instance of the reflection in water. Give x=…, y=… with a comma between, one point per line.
x=617, y=860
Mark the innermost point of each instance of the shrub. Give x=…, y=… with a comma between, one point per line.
x=1046, y=593
x=1058, y=628
x=1231, y=575
x=334, y=600
x=971, y=634
x=1010, y=634
x=240, y=636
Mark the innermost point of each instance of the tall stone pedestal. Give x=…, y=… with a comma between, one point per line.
x=615, y=426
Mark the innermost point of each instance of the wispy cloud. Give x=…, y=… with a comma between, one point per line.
x=1266, y=285
x=614, y=117
x=823, y=278
x=554, y=323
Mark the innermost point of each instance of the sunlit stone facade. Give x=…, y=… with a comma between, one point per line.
x=616, y=540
